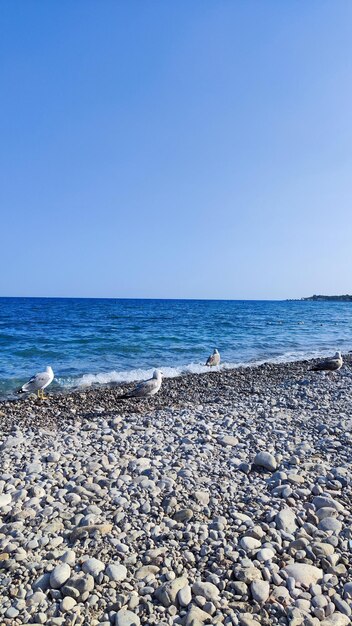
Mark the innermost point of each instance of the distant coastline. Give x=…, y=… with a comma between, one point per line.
x=344, y=298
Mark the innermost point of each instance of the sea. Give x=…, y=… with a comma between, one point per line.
x=98, y=341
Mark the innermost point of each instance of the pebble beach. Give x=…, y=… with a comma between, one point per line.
x=225, y=499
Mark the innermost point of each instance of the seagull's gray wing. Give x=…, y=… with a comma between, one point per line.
x=144, y=389
x=37, y=382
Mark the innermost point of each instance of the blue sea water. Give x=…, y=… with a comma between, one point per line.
x=89, y=341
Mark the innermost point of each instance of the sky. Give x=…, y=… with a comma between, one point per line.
x=175, y=149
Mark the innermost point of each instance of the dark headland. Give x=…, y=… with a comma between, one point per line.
x=320, y=298
x=315, y=298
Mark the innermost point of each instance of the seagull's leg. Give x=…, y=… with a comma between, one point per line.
x=38, y=393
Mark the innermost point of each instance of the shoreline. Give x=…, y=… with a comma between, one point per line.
x=225, y=369
x=170, y=385
x=197, y=506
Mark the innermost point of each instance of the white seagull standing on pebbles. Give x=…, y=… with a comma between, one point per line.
x=38, y=383
x=214, y=358
x=329, y=365
x=147, y=388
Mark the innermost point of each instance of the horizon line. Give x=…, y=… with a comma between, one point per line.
x=152, y=298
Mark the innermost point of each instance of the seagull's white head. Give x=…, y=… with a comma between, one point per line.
x=158, y=374
x=216, y=351
x=338, y=355
x=49, y=370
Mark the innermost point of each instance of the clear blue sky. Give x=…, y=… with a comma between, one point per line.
x=184, y=148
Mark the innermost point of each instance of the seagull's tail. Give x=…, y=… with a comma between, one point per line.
x=20, y=390
x=125, y=396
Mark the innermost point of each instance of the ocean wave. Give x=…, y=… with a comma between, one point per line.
x=134, y=375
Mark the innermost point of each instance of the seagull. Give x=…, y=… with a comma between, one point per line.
x=329, y=365
x=214, y=358
x=147, y=388
x=38, y=383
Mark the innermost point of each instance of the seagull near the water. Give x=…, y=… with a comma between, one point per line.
x=147, y=388
x=38, y=383
x=214, y=358
x=329, y=365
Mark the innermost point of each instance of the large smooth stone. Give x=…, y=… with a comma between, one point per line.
x=60, y=574
x=260, y=590
x=286, y=520
x=93, y=566
x=5, y=499
x=336, y=619
x=116, y=572
x=167, y=592
x=266, y=460
x=304, y=573
x=330, y=524
x=126, y=618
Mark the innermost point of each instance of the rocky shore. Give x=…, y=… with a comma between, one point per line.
x=225, y=499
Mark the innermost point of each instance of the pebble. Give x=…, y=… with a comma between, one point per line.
x=341, y=605
x=286, y=520
x=336, y=619
x=5, y=499
x=249, y=543
x=93, y=566
x=265, y=554
x=206, y=590
x=228, y=440
x=304, y=573
x=326, y=511
x=67, y=604
x=330, y=523
x=126, y=618
x=202, y=497
x=184, y=596
x=146, y=571
x=116, y=572
x=196, y=616
x=266, y=460
x=60, y=574
x=248, y=620
x=167, y=592
x=260, y=590
x=247, y=574
x=183, y=515
x=326, y=501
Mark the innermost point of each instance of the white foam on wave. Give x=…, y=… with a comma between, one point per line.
x=135, y=375
x=129, y=376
